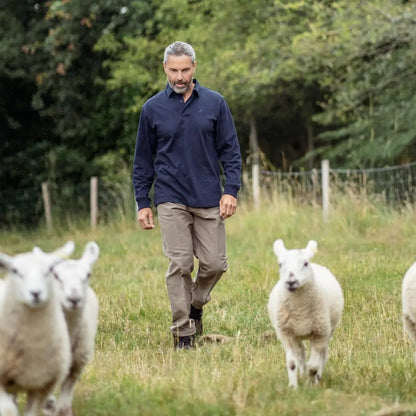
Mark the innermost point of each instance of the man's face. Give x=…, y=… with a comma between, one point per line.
x=180, y=71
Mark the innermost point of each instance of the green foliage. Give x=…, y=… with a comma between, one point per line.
x=57, y=116
x=363, y=54
x=322, y=79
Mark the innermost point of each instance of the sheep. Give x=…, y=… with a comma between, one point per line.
x=80, y=306
x=34, y=341
x=409, y=303
x=306, y=303
x=7, y=403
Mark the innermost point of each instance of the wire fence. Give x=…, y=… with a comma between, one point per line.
x=25, y=208
x=395, y=186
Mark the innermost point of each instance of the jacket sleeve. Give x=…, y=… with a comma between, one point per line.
x=143, y=165
x=228, y=150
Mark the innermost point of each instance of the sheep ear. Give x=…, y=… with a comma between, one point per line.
x=91, y=252
x=5, y=261
x=312, y=247
x=65, y=251
x=37, y=250
x=279, y=248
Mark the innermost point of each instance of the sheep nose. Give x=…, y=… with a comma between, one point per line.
x=35, y=295
x=74, y=301
x=291, y=282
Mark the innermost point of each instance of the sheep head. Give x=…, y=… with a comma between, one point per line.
x=294, y=265
x=30, y=274
x=74, y=275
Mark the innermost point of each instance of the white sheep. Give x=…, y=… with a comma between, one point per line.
x=409, y=303
x=306, y=303
x=80, y=305
x=34, y=341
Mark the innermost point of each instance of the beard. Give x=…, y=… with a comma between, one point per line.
x=180, y=90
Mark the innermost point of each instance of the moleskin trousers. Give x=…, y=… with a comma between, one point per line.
x=188, y=232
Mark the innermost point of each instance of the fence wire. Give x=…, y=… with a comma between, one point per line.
x=395, y=185
x=69, y=202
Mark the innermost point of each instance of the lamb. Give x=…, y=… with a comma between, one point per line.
x=306, y=303
x=80, y=306
x=34, y=341
x=409, y=303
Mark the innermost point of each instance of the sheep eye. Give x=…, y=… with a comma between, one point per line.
x=16, y=272
x=306, y=264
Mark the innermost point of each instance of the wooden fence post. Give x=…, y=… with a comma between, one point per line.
x=255, y=171
x=255, y=168
x=47, y=206
x=315, y=185
x=93, y=202
x=325, y=189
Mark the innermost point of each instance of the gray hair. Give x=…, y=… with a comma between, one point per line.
x=179, y=49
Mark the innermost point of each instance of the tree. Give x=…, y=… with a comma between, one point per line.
x=308, y=79
x=241, y=46
x=363, y=55
x=24, y=134
x=65, y=126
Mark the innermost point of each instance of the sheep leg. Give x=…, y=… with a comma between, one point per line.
x=301, y=358
x=49, y=409
x=295, y=359
x=7, y=405
x=317, y=360
x=67, y=392
x=35, y=402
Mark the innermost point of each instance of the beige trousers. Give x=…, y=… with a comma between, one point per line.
x=188, y=233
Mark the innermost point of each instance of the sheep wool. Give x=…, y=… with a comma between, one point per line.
x=409, y=303
x=80, y=306
x=305, y=304
x=34, y=341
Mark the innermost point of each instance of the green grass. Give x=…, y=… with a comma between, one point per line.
x=135, y=372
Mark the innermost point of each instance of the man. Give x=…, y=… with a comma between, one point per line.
x=185, y=132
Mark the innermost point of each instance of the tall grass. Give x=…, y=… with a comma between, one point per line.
x=370, y=370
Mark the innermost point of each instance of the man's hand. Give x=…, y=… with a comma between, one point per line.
x=145, y=218
x=228, y=206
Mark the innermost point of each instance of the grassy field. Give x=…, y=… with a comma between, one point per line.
x=135, y=372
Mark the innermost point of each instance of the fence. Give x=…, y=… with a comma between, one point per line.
x=61, y=204
x=93, y=203
x=98, y=200
x=395, y=185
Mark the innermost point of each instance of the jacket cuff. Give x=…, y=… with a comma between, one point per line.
x=143, y=203
x=231, y=190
